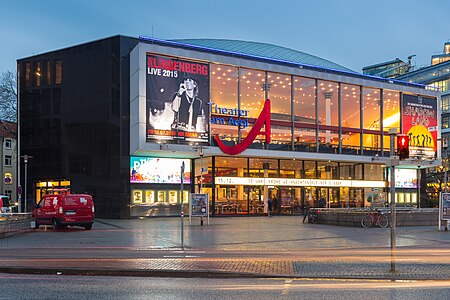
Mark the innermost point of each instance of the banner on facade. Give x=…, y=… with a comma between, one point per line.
x=420, y=124
x=177, y=100
x=158, y=170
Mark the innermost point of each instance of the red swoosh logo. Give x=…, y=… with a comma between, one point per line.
x=264, y=118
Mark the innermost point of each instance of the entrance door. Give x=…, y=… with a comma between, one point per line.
x=256, y=199
x=328, y=198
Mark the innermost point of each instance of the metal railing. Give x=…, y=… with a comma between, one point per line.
x=14, y=224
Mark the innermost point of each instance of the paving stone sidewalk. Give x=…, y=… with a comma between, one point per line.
x=229, y=247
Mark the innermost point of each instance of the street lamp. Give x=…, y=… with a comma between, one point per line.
x=25, y=161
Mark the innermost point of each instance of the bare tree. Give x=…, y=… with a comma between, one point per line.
x=8, y=96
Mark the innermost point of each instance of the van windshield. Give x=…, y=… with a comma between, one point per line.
x=5, y=201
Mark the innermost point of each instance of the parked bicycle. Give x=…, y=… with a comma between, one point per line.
x=313, y=216
x=376, y=218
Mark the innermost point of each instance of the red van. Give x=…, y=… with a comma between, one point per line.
x=65, y=210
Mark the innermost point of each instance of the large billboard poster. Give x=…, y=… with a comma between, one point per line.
x=158, y=170
x=177, y=100
x=420, y=123
x=404, y=178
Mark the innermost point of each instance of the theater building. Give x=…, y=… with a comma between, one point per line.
x=119, y=117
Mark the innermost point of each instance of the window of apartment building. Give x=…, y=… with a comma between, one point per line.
x=445, y=120
x=58, y=72
x=37, y=74
x=27, y=74
x=8, y=193
x=8, y=143
x=445, y=100
x=8, y=160
x=47, y=73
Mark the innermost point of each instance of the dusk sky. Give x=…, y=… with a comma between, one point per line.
x=352, y=33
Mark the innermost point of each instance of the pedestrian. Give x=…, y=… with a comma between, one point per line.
x=322, y=202
x=269, y=206
x=275, y=205
x=306, y=211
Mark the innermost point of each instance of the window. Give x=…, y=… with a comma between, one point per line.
x=8, y=160
x=445, y=102
x=280, y=106
x=351, y=118
x=8, y=143
x=304, y=114
x=27, y=74
x=371, y=120
x=252, y=89
x=38, y=74
x=224, y=97
x=48, y=73
x=58, y=72
x=328, y=115
x=391, y=114
x=445, y=122
x=8, y=193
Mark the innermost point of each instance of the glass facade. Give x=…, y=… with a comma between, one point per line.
x=84, y=136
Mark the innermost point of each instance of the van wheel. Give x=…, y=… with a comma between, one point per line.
x=55, y=224
x=88, y=227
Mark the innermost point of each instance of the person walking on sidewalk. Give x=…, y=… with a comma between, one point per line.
x=269, y=206
x=306, y=209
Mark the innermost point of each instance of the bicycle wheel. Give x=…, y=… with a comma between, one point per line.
x=314, y=218
x=367, y=221
x=382, y=221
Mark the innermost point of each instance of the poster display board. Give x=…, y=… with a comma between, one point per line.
x=198, y=206
x=158, y=170
x=177, y=100
x=420, y=124
x=444, y=206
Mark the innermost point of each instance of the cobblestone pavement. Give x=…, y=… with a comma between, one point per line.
x=238, y=247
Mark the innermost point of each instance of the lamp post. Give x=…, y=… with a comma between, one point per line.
x=419, y=178
x=392, y=163
x=25, y=161
x=182, y=206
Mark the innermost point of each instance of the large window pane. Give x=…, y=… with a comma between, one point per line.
x=252, y=84
x=224, y=96
x=371, y=120
x=257, y=166
x=351, y=119
x=230, y=199
x=391, y=114
x=304, y=114
x=291, y=169
x=281, y=120
x=328, y=113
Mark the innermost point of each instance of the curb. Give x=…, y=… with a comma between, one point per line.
x=204, y=274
